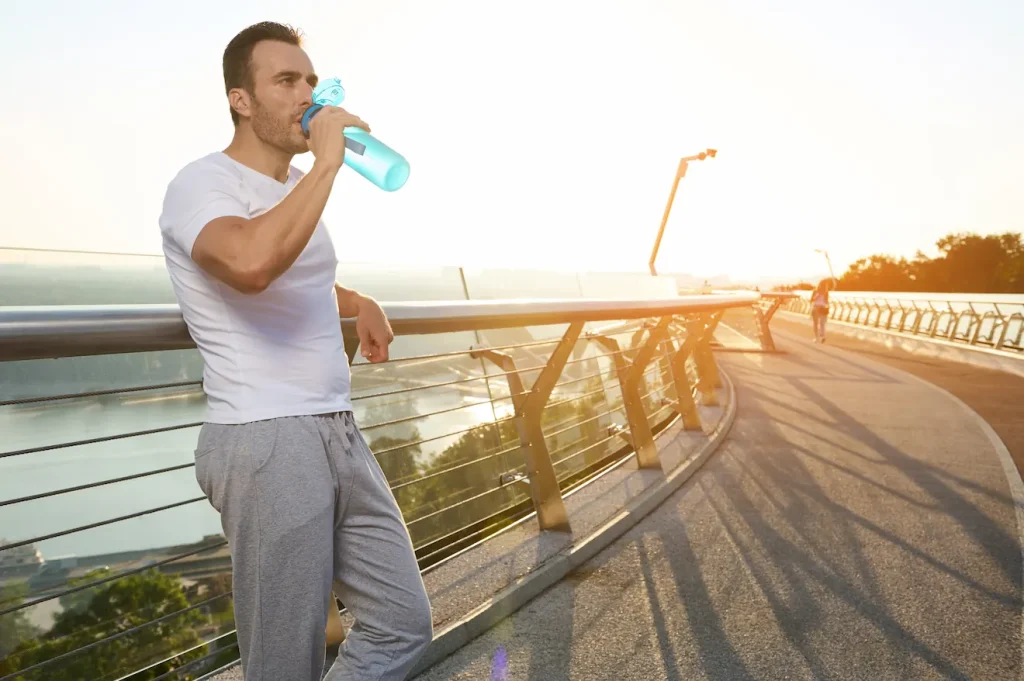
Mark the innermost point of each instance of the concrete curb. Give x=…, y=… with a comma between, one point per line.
x=516, y=595
x=988, y=358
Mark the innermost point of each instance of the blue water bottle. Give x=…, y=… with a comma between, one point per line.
x=364, y=153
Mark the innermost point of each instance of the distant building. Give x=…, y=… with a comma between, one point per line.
x=20, y=561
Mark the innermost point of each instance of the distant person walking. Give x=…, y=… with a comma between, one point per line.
x=819, y=309
x=301, y=498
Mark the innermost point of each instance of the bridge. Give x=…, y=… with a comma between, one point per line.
x=658, y=487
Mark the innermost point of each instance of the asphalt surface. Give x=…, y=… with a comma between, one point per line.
x=856, y=524
x=997, y=396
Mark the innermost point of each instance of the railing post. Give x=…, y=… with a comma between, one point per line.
x=640, y=431
x=529, y=406
x=666, y=360
x=716, y=376
x=938, y=318
x=903, y=317
x=918, y=318
x=1020, y=330
x=685, y=406
x=631, y=372
x=634, y=342
x=933, y=320
x=709, y=379
x=997, y=320
x=764, y=317
x=973, y=319
x=977, y=329
x=955, y=324
x=998, y=345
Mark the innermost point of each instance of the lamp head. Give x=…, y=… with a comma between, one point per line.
x=712, y=152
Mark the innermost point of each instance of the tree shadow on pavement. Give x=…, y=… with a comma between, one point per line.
x=1004, y=548
x=791, y=574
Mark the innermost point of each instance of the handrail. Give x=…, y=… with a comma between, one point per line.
x=483, y=484
x=967, y=321
x=77, y=331
x=909, y=297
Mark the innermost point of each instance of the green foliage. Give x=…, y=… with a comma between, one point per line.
x=967, y=263
x=79, y=600
x=474, y=463
x=15, y=627
x=114, y=608
x=398, y=458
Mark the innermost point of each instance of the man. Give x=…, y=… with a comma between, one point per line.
x=302, y=500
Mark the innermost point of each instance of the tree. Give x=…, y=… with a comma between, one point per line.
x=207, y=588
x=471, y=465
x=878, y=273
x=393, y=446
x=79, y=600
x=967, y=263
x=981, y=264
x=15, y=627
x=398, y=459
x=115, y=608
x=460, y=471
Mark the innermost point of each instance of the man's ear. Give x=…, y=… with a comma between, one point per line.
x=240, y=101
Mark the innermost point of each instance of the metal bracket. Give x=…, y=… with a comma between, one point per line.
x=707, y=370
x=622, y=431
x=631, y=373
x=529, y=406
x=764, y=318
x=512, y=477
x=685, y=405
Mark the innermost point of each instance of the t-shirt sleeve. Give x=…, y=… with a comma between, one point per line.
x=194, y=198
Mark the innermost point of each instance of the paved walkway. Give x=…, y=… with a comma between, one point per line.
x=997, y=396
x=856, y=524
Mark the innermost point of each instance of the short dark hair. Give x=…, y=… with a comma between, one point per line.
x=238, y=54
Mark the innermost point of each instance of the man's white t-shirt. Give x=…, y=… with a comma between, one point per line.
x=267, y=355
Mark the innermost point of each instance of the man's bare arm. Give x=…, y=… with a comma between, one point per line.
x=248, y=255
x=348, y=301
x=372, y=326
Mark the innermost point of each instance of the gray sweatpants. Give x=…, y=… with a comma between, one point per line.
x=304, y=503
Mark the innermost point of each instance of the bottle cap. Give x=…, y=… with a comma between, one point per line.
x=329, y=92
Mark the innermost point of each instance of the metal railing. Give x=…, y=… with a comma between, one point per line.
x=998, y=325
x=512, y=405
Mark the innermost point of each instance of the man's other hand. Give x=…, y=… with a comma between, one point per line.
x=374, y=331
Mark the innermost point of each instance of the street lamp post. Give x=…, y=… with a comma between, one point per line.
x=829, y=261
x=680, y=173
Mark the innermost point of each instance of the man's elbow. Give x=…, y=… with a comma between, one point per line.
x=251, y=279
x=245, y=275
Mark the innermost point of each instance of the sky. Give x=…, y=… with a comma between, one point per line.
x=546, y=134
